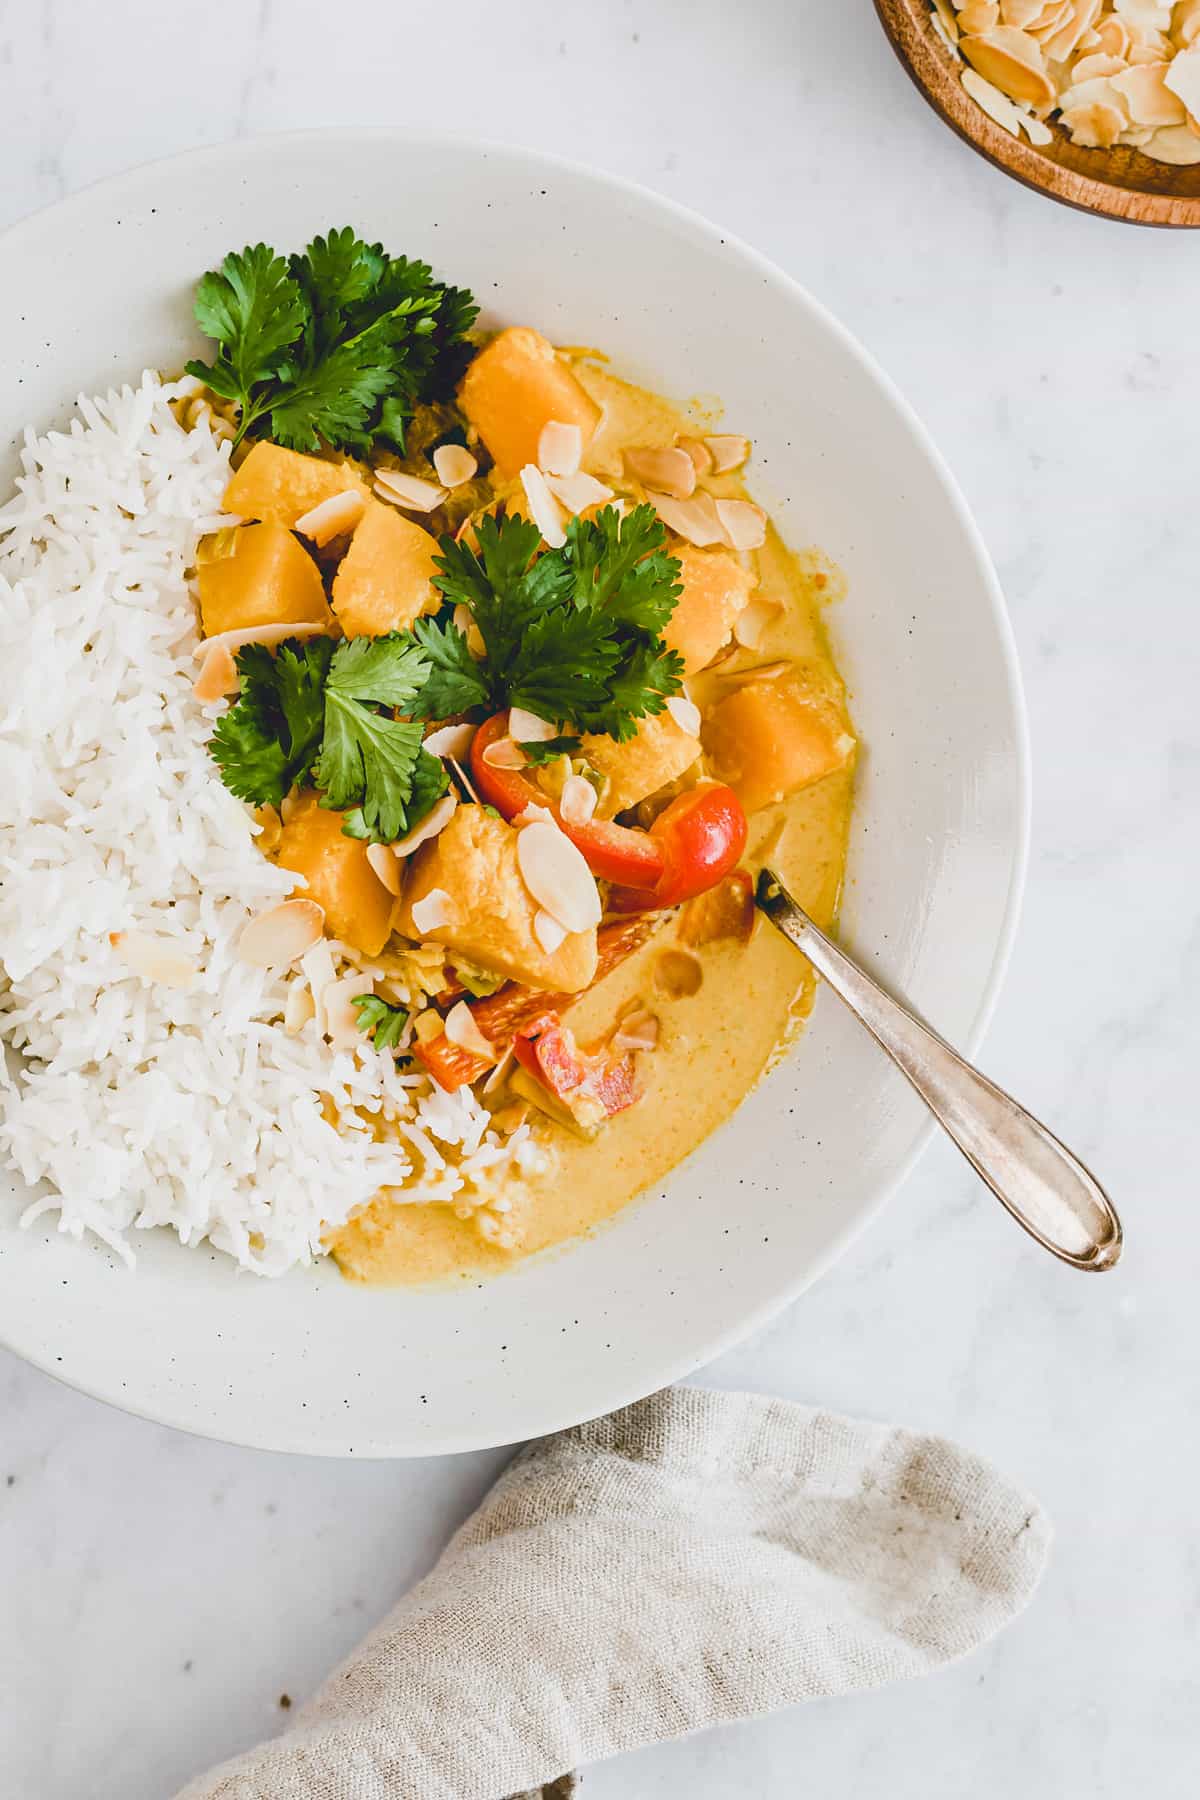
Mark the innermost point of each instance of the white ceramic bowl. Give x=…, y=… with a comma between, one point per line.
x=99, y=287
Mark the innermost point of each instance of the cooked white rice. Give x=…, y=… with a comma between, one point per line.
x=139, y=1104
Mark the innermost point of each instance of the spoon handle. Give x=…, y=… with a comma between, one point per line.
x=1044, y=1187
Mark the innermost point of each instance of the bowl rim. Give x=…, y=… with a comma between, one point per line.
x=724, y=242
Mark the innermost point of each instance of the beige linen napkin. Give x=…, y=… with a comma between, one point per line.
x=698, y=1557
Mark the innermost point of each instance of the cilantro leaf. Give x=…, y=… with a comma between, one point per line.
x=331, y=401
x=388, y=670
x=367, y=761
x=639, y=688
x=268, y=739
x=382, y=1023
x=547, y=750
x=255, y=311
x=620, y=566
x=456, y=682
x=563, y=664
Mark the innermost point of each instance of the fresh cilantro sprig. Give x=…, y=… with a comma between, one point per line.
x=573, y=634
x=313, y=711
x=381, y=1022
x=336, y=346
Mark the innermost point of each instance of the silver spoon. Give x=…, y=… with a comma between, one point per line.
x=1044, y=1187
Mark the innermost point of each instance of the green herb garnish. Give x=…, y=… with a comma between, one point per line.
x=382, y=1023
x=336, y=346
x=547, y=750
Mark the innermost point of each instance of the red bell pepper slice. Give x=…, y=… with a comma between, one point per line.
x=590, y=1085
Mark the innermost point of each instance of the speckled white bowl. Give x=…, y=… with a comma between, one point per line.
x=99, y=287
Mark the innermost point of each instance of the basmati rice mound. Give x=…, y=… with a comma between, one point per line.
x=139, y=1104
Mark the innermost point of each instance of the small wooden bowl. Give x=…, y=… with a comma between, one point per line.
x=1120, y=183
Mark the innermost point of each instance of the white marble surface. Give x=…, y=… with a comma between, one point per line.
x=159, y=1593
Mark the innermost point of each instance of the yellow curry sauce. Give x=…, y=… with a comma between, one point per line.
x=714, y=1043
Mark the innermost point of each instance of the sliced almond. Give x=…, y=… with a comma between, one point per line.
x=544, y=509
x=1113, y=35
x=1085, y=68
x=382, y=859
x=698, y=450
x=1096, y=126
x=462, y=1030
x=278, y=937
x=977, y=16
x=1012, y=61
x=1037, y=132
x=636, y=1031
x=548, y=932
x=499, y=1076
x=218, y=676
x=320, y=974
x=450, y=740
x=996, y=105
x=728, y=451
x=505, y=754
x=341, y=1014
x=745, y=523
x=464, y=622
x=560, y=448
x=668, y=471
x=408, y=491
x=434, y=912
x=528, y=728
x=1149, y=96
x=154, y=959
x=558, y=877
x=1021, y=13
x=1186, y=30
x=1061, y=43
x=333, y=517
x=435, y=820
x=1175, y=144
x=1183, y=79
x=532, y=814
x=685, y=713
x=577, y=801
x=298, y=1008
x=270, y=635
x=944, y=16
x=696, y=520
x=454, y=464
x=756, y=618
x=579, y=492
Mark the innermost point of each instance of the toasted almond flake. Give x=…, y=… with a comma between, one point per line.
x=1113, y=35
x=1096, y=126
x=1021, y=13
x=288, y=805
x=944, y=15
x=1186, y=30
x=685, y=713
x=1097, y=91
x=464, y=622
x=1054, y=16
x=340, y=1013
x=755, y=618
x=382, y=859
x=504, y=754
x=1035, y=130
x=433, y=912
x=320, y=974
x=560, y=448
x=1085, y=68
x=579, y=492
x=636, y=1031
x=548, y=932
x=1149, y=96
x=1175, y=144
x=154, y=959
x=333, y=517
x=532, y=814
x=729, y=450
x=1183, y=79
x=450, y=740
x=408, y=491
x=977, y=16
x=427, y=1026
x=577, y=802
x=498, y=1077
x=996, y=105
x=696, y=520
x=435, y=820
x=454, y=464
x=298, y=1008
x=276, y=938
x=668, y=471
x=528, y=728
x=745, y=523
x=1012, y=61
x=461, y=1029
x=218, y=676
x=1144, y=56
x=558, y=877
x=949, y=39
x=544, y=509
x=233, y=641
x=698, y=450
x=1061, y=43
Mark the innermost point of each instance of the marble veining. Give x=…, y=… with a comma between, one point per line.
x=162, y=1596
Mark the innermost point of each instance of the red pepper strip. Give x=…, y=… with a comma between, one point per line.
x=613, y=852
x=702, y=834
x=590, y=1086
x=515, y=1009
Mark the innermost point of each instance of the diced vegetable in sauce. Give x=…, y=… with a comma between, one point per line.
x=384, y=581
x=358, y=908
x=715, y=590
x=769, y=739
x=269, y=579
x=282, y=485
x=515, y=387
x=658, y=752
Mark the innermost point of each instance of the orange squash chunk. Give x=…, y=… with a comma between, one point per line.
x=770, y=738
x=282, y=485
x=715, y=590
x=514, y=387
x=659, y=751
x=384, y=581
x=358, y=908
x=269, y=579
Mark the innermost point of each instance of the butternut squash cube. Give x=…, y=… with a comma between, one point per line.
x=282, y=485
x=715, y=590
x=473, y=861
x=770, y=738
x=514, y=387
x=384, y=581
x=658, y=752
x=269, y=579
x=358, y=908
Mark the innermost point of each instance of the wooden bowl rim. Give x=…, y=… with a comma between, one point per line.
x=926, y=61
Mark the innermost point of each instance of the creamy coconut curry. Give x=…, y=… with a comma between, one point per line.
x=524, y=696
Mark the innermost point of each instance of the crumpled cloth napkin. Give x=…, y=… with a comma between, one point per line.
x=696, y=1558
